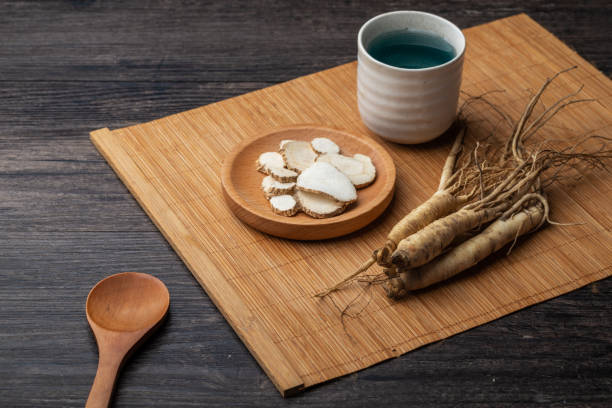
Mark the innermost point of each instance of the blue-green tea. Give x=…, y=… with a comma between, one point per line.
x=411, y=49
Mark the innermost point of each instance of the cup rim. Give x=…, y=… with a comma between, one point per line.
x=436, y=67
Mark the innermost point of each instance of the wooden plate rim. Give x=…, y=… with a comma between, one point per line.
x=231, y=193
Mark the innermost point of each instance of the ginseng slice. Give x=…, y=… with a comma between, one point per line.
x=282, y=174
x=325, y=179
x=269, y=160
x=298, y=155
x=284, y=142
x=359, y=168
x=317, y=205
x=323, y=145
x=284, y=205
x=272, y=187
x=368, y=175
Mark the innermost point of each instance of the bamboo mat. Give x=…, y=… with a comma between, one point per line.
x=264, y=286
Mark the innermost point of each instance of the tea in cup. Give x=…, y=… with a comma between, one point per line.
x=409, y=74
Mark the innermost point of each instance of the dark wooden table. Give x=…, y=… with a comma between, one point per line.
x=66, y=221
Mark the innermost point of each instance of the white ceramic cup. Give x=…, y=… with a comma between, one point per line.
x=408, y=105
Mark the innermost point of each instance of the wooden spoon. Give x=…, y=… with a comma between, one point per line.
x=123, y=310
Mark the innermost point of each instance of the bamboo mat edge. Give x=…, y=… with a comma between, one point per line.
x=475, y=321
x=245, y=324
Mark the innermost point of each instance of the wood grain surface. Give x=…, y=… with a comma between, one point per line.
x=66, y=221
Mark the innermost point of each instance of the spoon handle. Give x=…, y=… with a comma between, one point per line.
x=104, y=383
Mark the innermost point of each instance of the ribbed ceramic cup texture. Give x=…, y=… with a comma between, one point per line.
x=408, y=105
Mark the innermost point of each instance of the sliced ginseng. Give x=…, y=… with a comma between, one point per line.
x=323, y=145
x=359, y=168
x=325, y=179
x=284, y=142
x=284, y=205
x=269, y=160
x=298, y=155
x=272, y=164
x=273, y=187
x=317, y=205
x=282, y=174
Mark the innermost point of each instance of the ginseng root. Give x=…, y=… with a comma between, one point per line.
x=429, y=244
x=501, y=232
x=424, y=245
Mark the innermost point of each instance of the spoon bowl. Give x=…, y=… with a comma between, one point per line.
x=127, y=301
x=123, y=310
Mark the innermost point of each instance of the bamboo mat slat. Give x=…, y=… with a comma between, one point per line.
x=264, y=286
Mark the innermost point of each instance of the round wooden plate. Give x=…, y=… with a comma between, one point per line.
x=242, y=186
